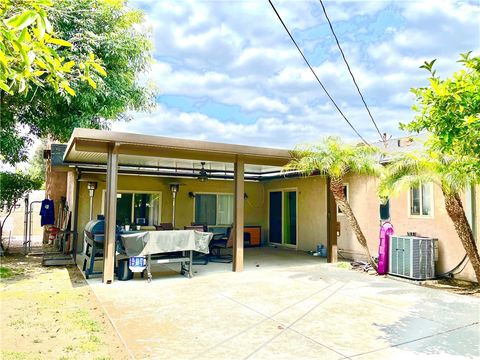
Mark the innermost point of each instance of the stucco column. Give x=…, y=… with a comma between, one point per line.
x=110, y=215
x=331, y=225
x=239, y=172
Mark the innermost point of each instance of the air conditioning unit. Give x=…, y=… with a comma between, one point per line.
x=413, y=257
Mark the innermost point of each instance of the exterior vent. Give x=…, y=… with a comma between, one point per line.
x=413, y=257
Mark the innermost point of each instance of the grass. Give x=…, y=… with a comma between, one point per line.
x=6, y=272
x=64, y=320
x=17, y=355
x=83, y=321
x=343, y=265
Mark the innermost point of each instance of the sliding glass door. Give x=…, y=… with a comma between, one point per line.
x=283, y=217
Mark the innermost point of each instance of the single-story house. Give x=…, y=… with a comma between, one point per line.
x=225, y=184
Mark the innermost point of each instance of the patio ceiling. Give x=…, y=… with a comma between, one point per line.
x=88, y=148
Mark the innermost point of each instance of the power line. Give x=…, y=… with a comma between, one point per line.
x=314, y=74
x=350, y=71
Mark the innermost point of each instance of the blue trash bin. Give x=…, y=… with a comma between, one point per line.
x=123, y=271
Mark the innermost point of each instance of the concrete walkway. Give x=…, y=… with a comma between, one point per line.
x=292, y=306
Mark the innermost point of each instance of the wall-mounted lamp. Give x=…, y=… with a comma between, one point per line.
x=174, y=188
x=91, y=186
x=191, y=195
x=245, y=195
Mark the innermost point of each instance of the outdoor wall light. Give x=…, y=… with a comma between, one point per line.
x=91, y=186
x=174, y=188
x=191, y=195
x=245, y=195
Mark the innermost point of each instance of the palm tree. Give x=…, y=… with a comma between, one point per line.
x=451, y=174
x=337, y=159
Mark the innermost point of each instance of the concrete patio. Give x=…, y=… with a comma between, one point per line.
x=290, y=306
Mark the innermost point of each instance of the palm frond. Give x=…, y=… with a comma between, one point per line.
x=411, y=169
x=335, y=158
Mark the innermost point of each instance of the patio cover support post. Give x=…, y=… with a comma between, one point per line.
x=239, y=173
x=110, y=215
x=331, y=225
x=75, y=216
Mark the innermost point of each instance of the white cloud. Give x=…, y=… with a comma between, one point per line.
x=237, y=53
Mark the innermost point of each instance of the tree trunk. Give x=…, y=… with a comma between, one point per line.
x=336, y=186
x=454, y=207
x=2, y=249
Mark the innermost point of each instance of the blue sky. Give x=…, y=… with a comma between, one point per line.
x=226, y=70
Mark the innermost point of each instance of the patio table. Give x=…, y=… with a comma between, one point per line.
x=160, y=243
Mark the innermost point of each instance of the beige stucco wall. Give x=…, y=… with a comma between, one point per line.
x=365, y=205
x=311, y=209
x=311, y=202
x=254, y=206
x=16, y=221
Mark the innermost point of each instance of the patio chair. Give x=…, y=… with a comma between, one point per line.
x=164, y=226
x=225, y=242
x=221, y=242
x=203, y=225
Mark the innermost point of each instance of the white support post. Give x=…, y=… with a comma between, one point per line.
x=110, y=215
x=239, y=172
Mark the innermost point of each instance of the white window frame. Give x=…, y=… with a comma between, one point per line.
x=339, y=213
x=216, y=215
x=133, y=192
x=432, y=205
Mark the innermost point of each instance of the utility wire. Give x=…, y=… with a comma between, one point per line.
x=350, y=71
x=316, y=77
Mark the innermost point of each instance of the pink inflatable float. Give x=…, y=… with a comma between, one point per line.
x=386, y=230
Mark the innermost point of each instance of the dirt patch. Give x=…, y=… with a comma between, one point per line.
x=456, y=286
x=51, y=313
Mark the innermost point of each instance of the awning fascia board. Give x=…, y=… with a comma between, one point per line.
x=98, y=141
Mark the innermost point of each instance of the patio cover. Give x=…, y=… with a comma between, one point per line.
x=114, y=149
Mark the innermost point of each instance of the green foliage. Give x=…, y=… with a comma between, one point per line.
x=36, y=167
x=114, y=33
x=30, y=51
x=335, y=158
x=410, y=169
x=14, y=186
x=6, y=272
x=449, y=109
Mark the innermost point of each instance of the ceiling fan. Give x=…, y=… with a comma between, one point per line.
x=203, y=175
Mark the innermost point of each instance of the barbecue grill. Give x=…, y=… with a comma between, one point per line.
x=94, y=234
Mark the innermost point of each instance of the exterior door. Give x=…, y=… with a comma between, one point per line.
x=283, y=217
x=275, y=221
x=290, y=218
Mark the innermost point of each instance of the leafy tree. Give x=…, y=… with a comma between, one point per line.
x=29, y=55
x=111, y=31
x=412, y=169
x=449, y=109
x=13, y=186
x=337, y=159
x=36, y=168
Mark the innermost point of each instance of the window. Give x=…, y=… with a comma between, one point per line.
x=214, y=209
x=421, y=200
x=138, y=208
x=345, y=192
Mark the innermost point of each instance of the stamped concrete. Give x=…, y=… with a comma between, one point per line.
x=288, y=305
